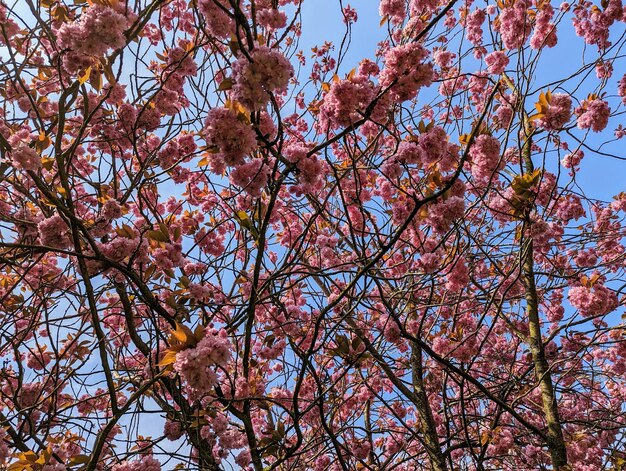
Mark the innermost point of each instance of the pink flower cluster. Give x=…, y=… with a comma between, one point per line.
x=593, y=114
x=233, y=138
x=5, y=453
x=485, y=157
x=9, y=27
x=271, y=18
x=405, y=70
x=558, y=113
x=267, y=71
x=344, y=101
x=593, y=301
x=218, y=23
x=53, y=232
x=514, y=26
x=251, y=176
x=24, y=157
x=196, y=365
x=544, y=34
x=573, y=159
x=474, y=26
x=310, y=170
x=458, y=277
x=395, y=10
x=419, y=7
x=569, y=207
x=146, y=463
x=98, y=29
x=435, y=148
x=593, y=24
x=496, y=62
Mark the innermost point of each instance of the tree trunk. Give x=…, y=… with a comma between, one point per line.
x=555, y=441
x=427, y=422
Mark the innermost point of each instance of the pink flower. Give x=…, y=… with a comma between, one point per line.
x=545, y=31
x=458, y=277
x=251, y=176
x=496, y=62
x=485, y=157
x=172, y=430
x=25, y=158
x=443, y=58
x=5, y=453
x=572, y=160
x=405, y=70
x=53, y=232
x=474, y=26
x=349, y=15
x=196, y=365
x=346, y=101
x=98, y=29
x=593, y=24
x=146, y=463
x=232, y=138
x=596, y=300
x=254, y=80
x=271, y=18
x=218, y=23
x=395, y=10
x=558, y=112
x=514, y=25
x=594, y=115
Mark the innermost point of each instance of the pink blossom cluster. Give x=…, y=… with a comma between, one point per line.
x=437, y=149
x=474, y=26
x=395, y=10
x=98, y=29
x=569, y=208
x=233, y=139
x=514, y=25
x=178, y=149
x=496, y=62
x=171, y=97
x=544, y=34
x=485, y=159
x=218, y=22
x=597, y=300
x=405, y=71
x=443, y=58
x=346, y=101
x=558, y=112
x=271, y=18
x=593, y=24
x=593, y=114
x=443, y=213
x=146, y=463
x=573, y=159
x=604, y=69
x=458, y=277
x=53, y=232
x=419, y=7
x=196, y=365
x=5, y=453
x=9, y=27
x=24, y=157
x=254, y=79
x=310, y=170
x=252, y=176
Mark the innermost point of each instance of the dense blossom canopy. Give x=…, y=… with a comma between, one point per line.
x=229, y=242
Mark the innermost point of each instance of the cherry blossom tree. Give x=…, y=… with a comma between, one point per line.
x=224, y=248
